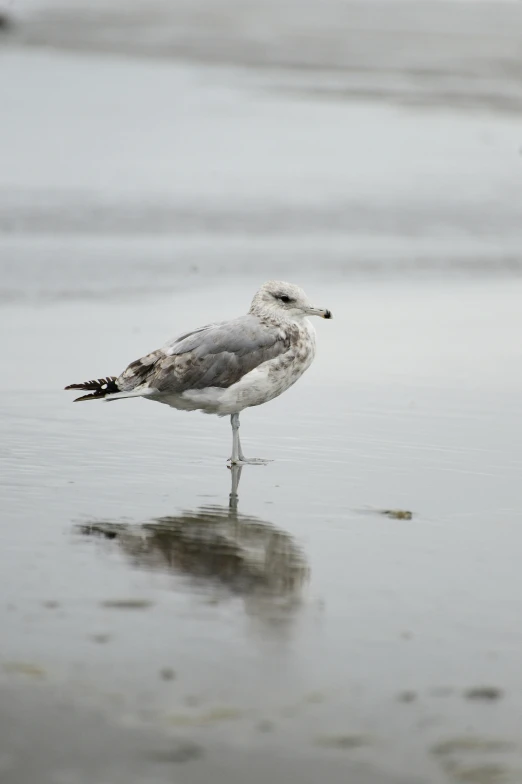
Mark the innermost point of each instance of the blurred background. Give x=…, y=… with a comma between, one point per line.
x=339, y=135
x=356, y=615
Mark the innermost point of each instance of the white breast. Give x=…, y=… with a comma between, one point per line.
x=265, y=383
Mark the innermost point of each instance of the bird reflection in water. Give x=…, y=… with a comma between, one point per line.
x=217, y=547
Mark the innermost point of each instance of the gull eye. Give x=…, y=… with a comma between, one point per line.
x=284, y=298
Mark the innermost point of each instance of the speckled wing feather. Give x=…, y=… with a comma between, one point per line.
x=217, y=355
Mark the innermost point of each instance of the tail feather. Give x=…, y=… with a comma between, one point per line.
x=99, y=388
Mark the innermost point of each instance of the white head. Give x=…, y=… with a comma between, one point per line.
x=284, y=300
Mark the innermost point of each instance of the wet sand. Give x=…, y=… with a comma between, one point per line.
x=354, y=614
x=463, y=55
x=306, y=625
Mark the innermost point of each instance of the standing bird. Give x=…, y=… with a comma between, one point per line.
x=225, y=367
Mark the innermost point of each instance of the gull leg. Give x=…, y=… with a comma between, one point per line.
x=238, y=458
x=234, y=421
x=236, y=476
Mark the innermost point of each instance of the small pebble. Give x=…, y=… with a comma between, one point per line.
x=101, y=638
x=488, y=693
x=470, y=743
x=398, y=514
x=179, y=752
x=127, y=604
x=407, y=696
x=343, y=741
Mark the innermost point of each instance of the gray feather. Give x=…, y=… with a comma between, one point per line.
x=217, y=355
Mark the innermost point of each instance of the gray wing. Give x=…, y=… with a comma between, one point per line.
x=217, y=355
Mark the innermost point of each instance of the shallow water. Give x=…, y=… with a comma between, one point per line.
x=304, y=624
x=354, y=613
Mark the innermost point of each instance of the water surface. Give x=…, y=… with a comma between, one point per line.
x=302, y=620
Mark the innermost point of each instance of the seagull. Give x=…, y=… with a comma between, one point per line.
x=225, y=367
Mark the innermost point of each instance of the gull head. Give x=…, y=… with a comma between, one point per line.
x=285, y=300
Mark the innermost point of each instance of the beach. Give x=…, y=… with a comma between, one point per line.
x=354, y=613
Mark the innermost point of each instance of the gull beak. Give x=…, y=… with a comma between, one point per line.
x=326, y=314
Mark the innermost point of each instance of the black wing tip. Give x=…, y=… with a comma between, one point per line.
x=98, y=388
x=92, y=396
